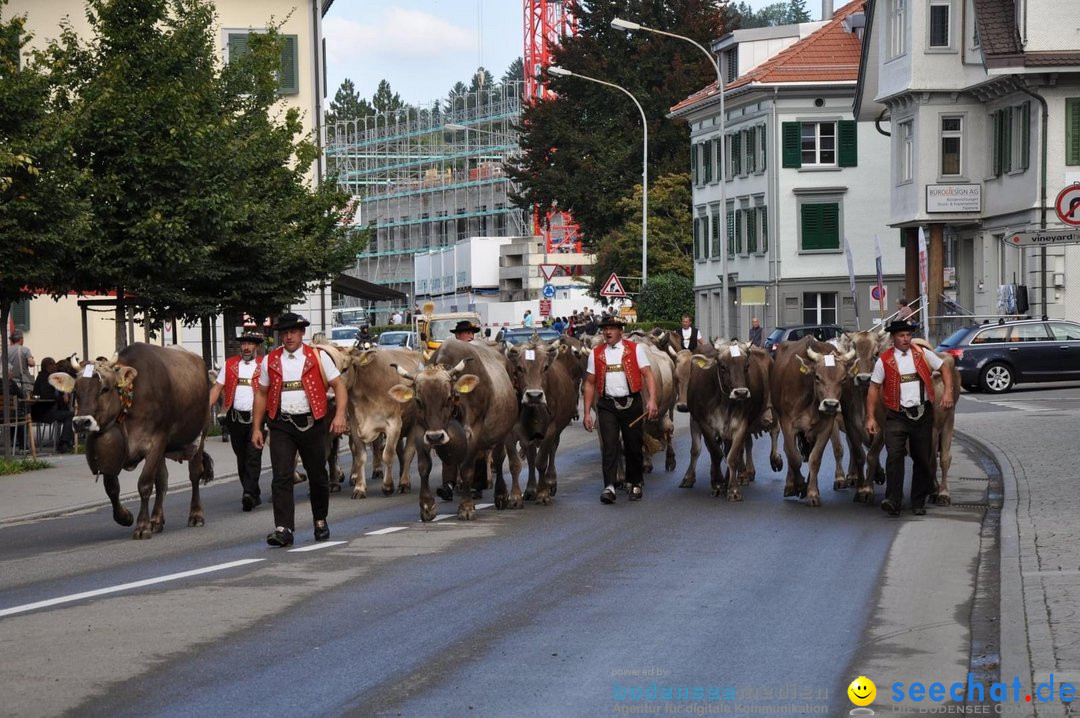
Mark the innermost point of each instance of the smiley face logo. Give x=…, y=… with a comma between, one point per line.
x=862, y=691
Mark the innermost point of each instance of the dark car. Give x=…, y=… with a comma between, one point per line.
x=821, y=332
x=520, y=335
x=994, y=357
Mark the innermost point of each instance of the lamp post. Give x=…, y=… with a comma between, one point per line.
x=621, y=24
x=563, y=72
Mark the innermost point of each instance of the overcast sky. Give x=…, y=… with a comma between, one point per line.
x=424, y=46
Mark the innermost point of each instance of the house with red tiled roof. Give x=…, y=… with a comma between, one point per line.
x=981, y=99
x=787, y=177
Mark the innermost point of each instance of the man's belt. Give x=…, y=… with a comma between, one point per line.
x=615, y=367
x=303, y=422
x=243, y=382
x=239, y=417
x=909, y=377
x=912, y=412
x=292, y=385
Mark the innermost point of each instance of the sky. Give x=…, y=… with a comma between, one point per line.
x=422, y=47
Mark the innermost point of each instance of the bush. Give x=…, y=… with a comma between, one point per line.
x=18, y=466
x=666, y=298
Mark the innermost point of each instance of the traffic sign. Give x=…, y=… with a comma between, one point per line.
x=548, y=271
x=613, y=288
x=877, y=292
x=1067, y=205
x=1043, y=238
x=545, y=307
x=549, y=291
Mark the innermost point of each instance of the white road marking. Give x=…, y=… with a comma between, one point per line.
x=442, y=517
x=124, y=587
x=483, y=506
x=316, y=546
x=388, y=530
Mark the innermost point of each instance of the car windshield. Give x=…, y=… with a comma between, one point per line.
x=441, y=329
x=394, y=339
x=956, y=337
x=520, y=336
x=347, y=333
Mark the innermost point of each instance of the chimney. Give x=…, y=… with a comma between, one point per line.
x=826, y=9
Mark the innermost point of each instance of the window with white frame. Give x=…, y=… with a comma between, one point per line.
x=897, y=19
x=952, y=133
x=819, y=308
x=905, y=151
x=940, y=24
x=818, y=143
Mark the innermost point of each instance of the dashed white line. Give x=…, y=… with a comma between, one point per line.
x=124, y=587
x=316, y=546
x=443, y=517
x=388, y=530
x=483, y=506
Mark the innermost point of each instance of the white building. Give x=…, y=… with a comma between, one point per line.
x=800, y=178
x=982, y=102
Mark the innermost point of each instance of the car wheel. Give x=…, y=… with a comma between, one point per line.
x=997, y=378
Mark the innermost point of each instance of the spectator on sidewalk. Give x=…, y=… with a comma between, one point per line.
x=51, y=405
x=20, y=360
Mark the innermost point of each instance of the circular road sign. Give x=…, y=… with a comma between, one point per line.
x=549, y=291
x=877, y=293
x=1067, y=205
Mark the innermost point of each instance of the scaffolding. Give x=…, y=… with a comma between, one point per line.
x=422, y=185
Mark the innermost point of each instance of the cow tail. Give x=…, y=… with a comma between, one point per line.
x=207, y=461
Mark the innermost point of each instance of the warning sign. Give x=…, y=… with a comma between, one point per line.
x=1067, y=205
x=613, y=288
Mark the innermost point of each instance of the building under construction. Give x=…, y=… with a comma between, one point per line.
x=428, y=176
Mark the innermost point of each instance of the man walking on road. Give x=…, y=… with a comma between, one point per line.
x=293, y=380
x=238, y=379
x=902, y=380
x=616, y=373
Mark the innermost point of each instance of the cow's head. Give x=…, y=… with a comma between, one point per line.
x=437, y=392
x=683, y=361
x=102, y=393
x=733, y=369
x=830, y=373
x=867, y=346
x=529, y=363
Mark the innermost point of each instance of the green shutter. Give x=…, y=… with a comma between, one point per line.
x=995, y=142
x=1025, y=135
x=238, y=45
x=740, y=224
x=697, y=238
x=716, y=232
x=764, y=145
x=810, y=216
x=20, y=315
x=751, y=231
x=848, y=139
x=764, y=246
x=792, y=139
x=694, y=171
x=731, y=231
x=820, y=226
x=736, y=154
x=707, y=149
x=1006, y=140
x=289, y=78
x=830, y=225
x=1072, y=131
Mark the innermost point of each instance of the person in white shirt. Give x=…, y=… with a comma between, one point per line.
x=691, y=335
x=617, y=372
x=293, y=381
x=237, y=380
x=902, y=380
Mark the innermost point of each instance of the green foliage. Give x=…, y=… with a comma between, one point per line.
x=386, y=100
x=666, y=298
x=18, y=466
x=348, y=105
x=582, y=150
x=515, y=72
x=777, y=13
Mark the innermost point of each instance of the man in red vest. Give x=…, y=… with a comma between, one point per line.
x=237, y=380
x=617, y=371
x=293, y=381
x=902, y=380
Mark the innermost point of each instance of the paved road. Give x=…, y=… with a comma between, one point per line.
x=546, y=611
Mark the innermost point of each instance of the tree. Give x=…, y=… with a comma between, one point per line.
x=797, y=11
x=348, y=105
x=515, y=72
x=581, y=150
x=666, y=298
x=778, y=13
x=386, y=100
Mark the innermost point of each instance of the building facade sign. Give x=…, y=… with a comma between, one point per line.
x=953, y=198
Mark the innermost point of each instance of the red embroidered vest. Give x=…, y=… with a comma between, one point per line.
x=312, y=380
x=629, y=364
x=232, y=379
x=890, y=392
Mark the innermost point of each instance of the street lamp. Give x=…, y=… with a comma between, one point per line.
x=563, y=72
x=621, y=24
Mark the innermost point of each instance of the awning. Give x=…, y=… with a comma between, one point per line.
x=355, y=287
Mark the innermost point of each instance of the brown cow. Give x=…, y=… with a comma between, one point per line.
x=659, y=432
x=683, y=368
x=465, y=407
x=147, y=406
x=864, y=457
x=548, y=400
x=944, y=420
x=808, y=380
x=373, y=414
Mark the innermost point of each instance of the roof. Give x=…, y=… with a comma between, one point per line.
x=830, y=54
x=356, y=287
x=997, y=28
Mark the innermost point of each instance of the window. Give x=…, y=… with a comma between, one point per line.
x=288, y=74
x=820, y=225
x=1065, y=332
x=1072, y=131
x=736, y=154
x=731, y=229
x=715, y=212
x=819, y=308
x=706, y=148
x=1010, y=134
x=763, y=245
x=751, y=230
x=951, y=145
x=940, y=26
x=750, y=141
x=906, y=151
x=1029, y=333
x=897, y=19
x=820, y=144
x=731, y=64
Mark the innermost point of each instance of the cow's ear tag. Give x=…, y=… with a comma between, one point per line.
x=401, y=393
x=803, y=370
x=88, y=371
x=854, y=369
x=530, y=355
x=467, y=383
x=366, y=357
x=830, y=360
x=735, y=351
x=700, y=363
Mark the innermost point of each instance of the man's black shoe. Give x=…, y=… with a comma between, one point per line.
x=635, y=492
x=281, y=537
x=248, y=502
x=607, y=496
x=919, y=511
x=322, y=531
x=890, y=507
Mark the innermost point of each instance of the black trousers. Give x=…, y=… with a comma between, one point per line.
x=248, y=458
x=902, y=432
x=286, y=440
x=64, y=416
x=613, y=421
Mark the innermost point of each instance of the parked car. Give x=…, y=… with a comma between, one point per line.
x=994, y=357
x=344, y=337
x=822, y=332
x=408, y=340
x=520, y=335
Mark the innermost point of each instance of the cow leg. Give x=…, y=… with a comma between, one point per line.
x=669, y=440
x=515, y=501
x=427, y=498
x=690, y=476
x=200, y=470
x=943, y=439
x=467, y=506
x=716, y=461
x=546, y=462
x=875, y=474
x=389, y=449
x=514, y=459
x=776, y=463
x=813, y=496
x=154, y=475
x=112, y=489
x=733, y=459
x=793, y=484
x=358, y=473
x=839, y=477
x=749, y=471
x=334, y=475
x=406, y=452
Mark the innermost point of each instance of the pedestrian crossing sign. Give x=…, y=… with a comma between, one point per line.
x=613, y=288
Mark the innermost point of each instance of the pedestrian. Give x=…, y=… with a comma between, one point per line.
x=237, y=380
x=690, y=334
x=902, y=381
x=465, y=330
x=559, y=325
x=903, y=311
x=756, y=339
x=616, y=373
x=293, y=381
x=396, y=317
x=527, y=320
x=591, y=326
x=20, y=360
x=51, y=406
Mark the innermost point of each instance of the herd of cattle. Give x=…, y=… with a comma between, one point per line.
x=478, y=405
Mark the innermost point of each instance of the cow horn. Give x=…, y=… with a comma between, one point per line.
x=672, y=352
x=458, y=368
x=402, y=372
x=848, y=356
x=813, y=355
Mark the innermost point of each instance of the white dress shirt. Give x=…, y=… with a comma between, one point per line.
x=615, y=384
x=295, y=401
x=244, y=397
x=910, y=391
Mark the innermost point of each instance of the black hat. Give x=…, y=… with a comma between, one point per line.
x=612, y=321
x=253, y=337
x=465, y=326
x=901, y=325
x=291, y=320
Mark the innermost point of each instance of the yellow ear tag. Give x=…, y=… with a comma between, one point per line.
x=854, y=369
x=464, y=389
x=366, y=359
x=700, y=363
x=803, y=370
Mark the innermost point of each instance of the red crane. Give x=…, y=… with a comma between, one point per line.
x=547, y=22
